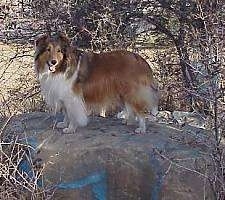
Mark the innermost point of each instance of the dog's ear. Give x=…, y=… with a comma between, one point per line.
x=64, y=39
x=41, y=40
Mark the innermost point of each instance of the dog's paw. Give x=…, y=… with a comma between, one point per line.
x=121, y=115
x=68, y=130
x=61, y=125
x=140, y=131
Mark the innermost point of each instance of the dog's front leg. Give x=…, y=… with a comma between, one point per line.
x=67, y=125
x=65, y=121
x=76, y=113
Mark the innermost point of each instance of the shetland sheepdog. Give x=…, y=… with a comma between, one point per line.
x=79, y=83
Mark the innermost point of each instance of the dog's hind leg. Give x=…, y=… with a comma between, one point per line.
x=142, y=100
x=148, y=98
x=142, y=125
x=129, y=117
x=136, y=108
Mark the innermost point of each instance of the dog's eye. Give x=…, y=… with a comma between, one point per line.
x=59, y=51
x=48, y=49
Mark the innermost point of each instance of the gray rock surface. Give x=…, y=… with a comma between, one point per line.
x=105, y=160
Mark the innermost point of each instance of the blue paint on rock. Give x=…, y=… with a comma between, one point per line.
x=100, y=189
x=96, y=180
x=25, y=164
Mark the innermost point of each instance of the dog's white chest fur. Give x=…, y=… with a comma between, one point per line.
x=54, y=88
x=58, y=94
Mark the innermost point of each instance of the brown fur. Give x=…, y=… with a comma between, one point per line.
x=105, y=80
x=113, y=78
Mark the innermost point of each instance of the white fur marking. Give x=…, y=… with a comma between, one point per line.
x=75, y=74
x=65, y=121
x=58, y=94
x=142, y=126
x=103, y=112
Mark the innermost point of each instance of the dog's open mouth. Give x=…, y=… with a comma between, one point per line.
x=51, y=68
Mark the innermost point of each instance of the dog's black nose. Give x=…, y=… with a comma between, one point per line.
x=53, y=62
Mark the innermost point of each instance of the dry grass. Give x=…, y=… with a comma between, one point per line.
x=20, y=174
x=19, y=89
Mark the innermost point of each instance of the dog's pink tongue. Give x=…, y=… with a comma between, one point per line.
x=52, y=68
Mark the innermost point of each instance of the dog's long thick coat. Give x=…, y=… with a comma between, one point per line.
x=83, y=82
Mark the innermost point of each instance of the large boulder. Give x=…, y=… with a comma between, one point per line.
x=106, y=160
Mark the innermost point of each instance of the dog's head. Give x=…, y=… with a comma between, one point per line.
x=51, y=51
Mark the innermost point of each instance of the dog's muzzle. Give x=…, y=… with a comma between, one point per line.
x=51, y=68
